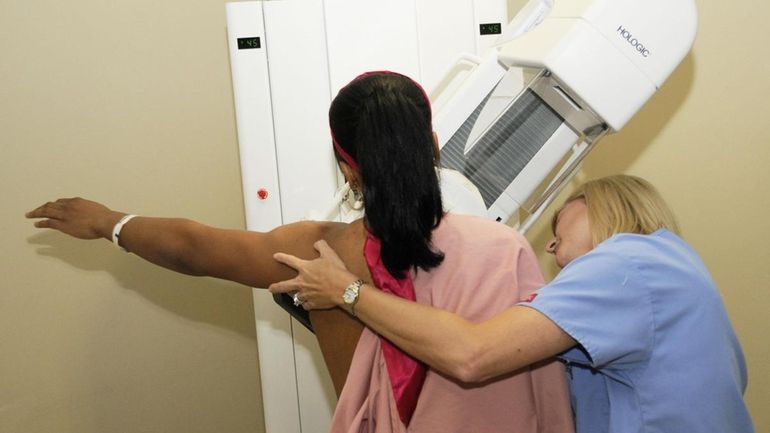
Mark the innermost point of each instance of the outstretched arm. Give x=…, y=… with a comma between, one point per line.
x=513, y=339
x=183, y=245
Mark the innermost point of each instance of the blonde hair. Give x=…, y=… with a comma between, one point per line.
x=622, y=204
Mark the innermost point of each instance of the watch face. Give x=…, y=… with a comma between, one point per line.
x=349, y=296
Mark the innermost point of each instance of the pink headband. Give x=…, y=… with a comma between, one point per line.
x=344, y=155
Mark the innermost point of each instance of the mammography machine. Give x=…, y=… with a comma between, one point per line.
x=517, y=106
x=562, y=75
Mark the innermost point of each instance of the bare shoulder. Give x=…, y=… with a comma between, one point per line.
x=247, y=256
x=297, y=237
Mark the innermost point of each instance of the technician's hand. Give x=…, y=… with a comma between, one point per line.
x=83, y=219
x=320, y=282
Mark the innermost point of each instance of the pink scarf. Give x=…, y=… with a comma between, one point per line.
x=406, y=373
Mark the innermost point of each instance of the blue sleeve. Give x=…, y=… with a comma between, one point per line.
x=600, y=301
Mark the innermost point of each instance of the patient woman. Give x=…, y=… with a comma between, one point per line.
x=405, y=245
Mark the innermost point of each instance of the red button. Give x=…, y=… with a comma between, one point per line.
x=262, y=193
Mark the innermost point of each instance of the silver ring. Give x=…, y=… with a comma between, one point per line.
x=297, y=301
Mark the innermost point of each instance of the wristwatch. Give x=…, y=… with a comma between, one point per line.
x=350, y=295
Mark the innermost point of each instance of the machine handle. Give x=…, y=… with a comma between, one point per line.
x=453, y=77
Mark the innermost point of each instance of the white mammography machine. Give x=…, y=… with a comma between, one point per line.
x=518, y=121
x=516, y=108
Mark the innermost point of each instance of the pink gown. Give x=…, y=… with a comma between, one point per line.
x=487, y=268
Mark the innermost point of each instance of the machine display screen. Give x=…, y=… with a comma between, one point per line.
x=490, y=29
x=249, y=43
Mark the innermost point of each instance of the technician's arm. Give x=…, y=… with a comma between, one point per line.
x=470, y=352
x=179, y=244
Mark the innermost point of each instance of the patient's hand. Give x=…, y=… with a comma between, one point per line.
x=320, y=282
x=83, y=219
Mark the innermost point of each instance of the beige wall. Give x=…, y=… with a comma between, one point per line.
x=130, y=103
x=127, y=102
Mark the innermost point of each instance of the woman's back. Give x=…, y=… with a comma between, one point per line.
x=487, y=268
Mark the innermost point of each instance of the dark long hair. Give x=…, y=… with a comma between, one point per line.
x=383, y=122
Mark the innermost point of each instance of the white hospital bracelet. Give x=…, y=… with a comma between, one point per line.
x=118, y=227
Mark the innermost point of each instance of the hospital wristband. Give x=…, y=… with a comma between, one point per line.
x=118, y=227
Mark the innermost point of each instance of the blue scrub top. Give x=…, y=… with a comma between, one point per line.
x=657, y=352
